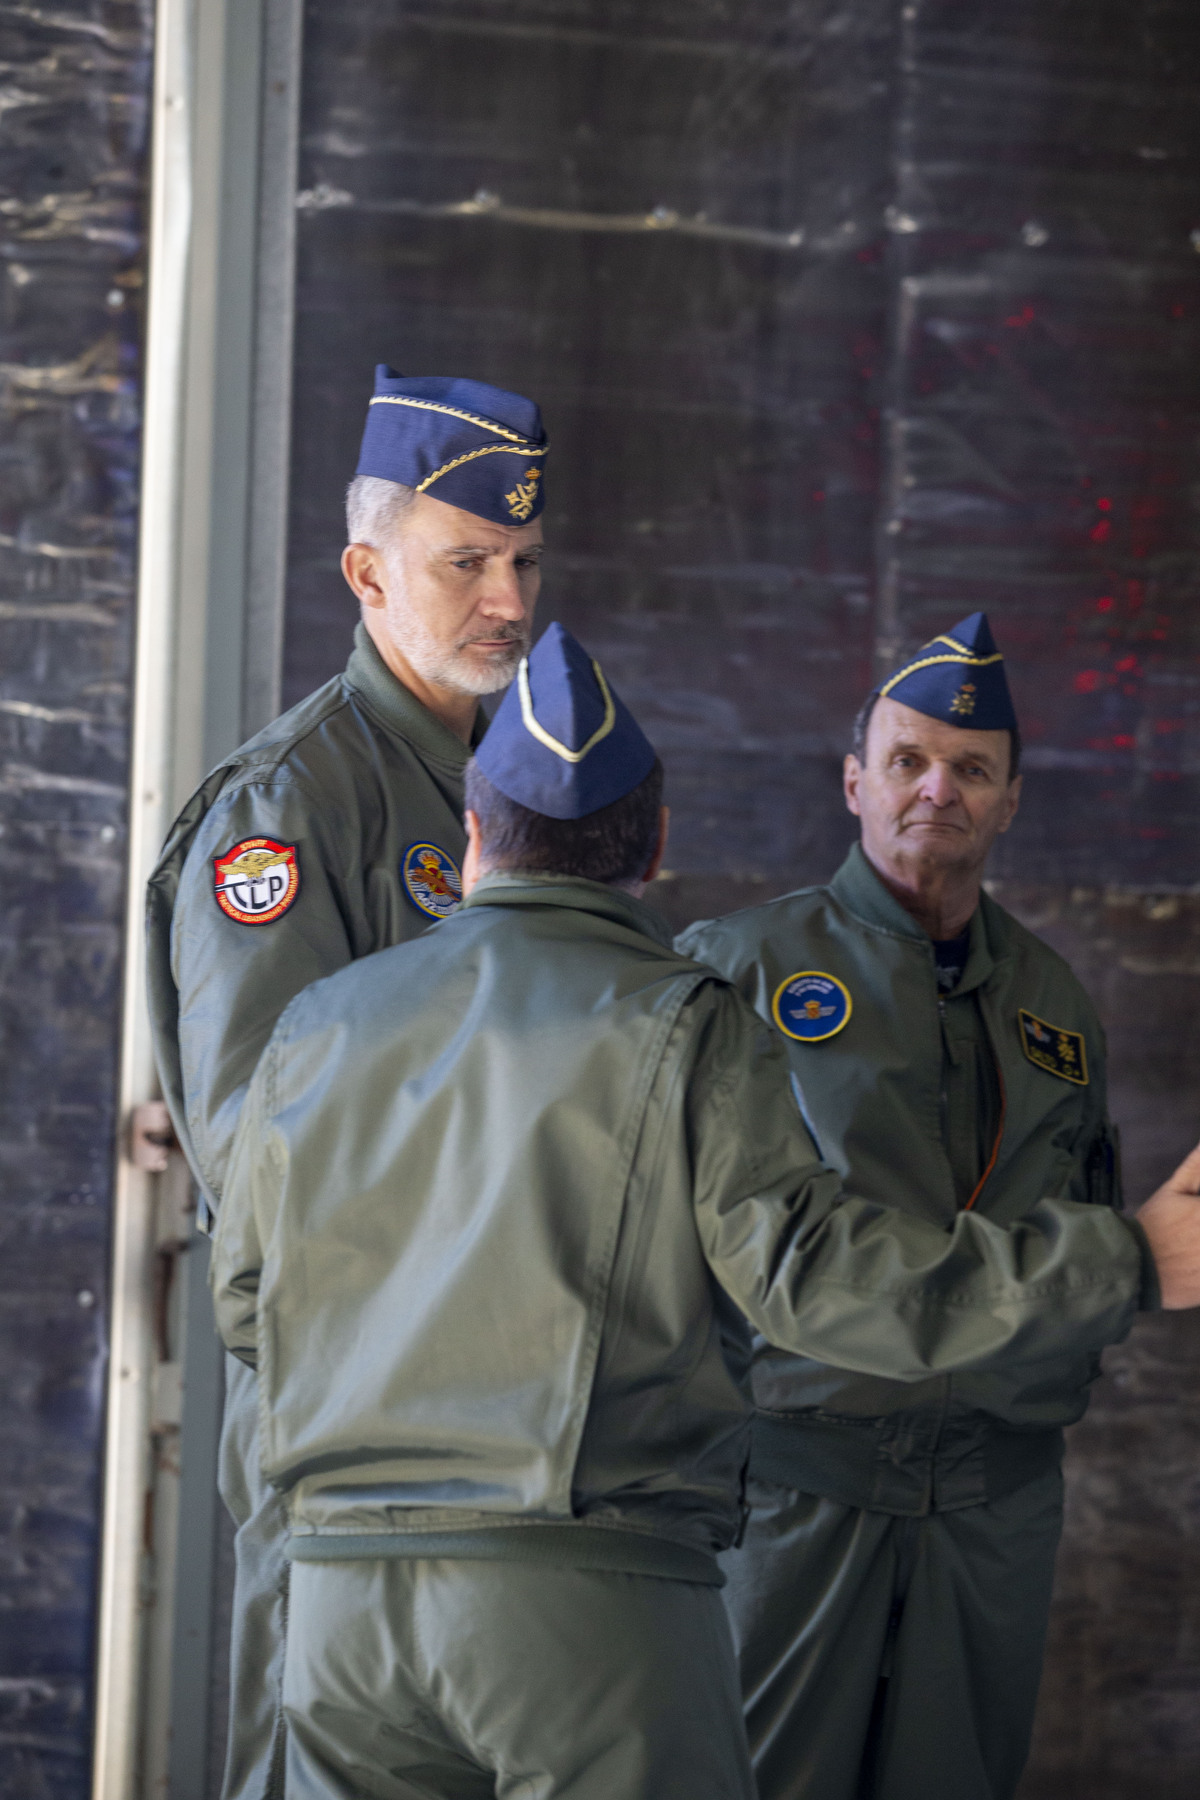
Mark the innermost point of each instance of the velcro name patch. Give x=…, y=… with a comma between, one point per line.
x=1050, y=1047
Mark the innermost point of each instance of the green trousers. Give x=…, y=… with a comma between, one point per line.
x=254, y=1754
x=464, y=1680
x=888, y=1658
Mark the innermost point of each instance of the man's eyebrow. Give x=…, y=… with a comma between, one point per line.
x=979, y=756
x=910, y=747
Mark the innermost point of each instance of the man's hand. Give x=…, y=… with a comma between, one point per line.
x=1171, y=1220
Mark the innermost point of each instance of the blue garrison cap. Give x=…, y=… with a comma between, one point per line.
x=561, y=742
x=958, y=678
x=462, y=441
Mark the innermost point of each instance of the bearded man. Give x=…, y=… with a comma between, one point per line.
x=335, y=832
x=891, y=1598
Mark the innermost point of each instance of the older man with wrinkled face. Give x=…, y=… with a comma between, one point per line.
x=334, y=833
x=891, y=1596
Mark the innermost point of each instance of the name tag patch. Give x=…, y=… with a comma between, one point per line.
x=811, y=1005
x=1050, y=1047
x=432, y=880
x=257, y=880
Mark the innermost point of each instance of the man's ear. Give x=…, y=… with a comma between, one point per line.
x=362, y=566
x=471, y=870
x=660, y=848
x=852, y=774
x=1014, y=800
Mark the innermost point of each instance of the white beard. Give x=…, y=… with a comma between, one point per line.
x=453, y=666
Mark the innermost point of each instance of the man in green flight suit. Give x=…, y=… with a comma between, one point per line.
x=891, y=1596
x=500, y=1204
x=334, y=833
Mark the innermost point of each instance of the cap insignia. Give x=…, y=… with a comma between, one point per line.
x=523, y=498
x=963, y=702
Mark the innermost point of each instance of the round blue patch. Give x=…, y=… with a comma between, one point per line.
x=811, y=1005
x=432, y=879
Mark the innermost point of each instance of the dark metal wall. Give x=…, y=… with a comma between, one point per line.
x=72, y=164
x=1044, y=401
x=665, y=221
x=846, y=320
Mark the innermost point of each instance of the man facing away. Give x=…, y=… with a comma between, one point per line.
x=336, y=832
x=500, y=1203
x=891, y=1597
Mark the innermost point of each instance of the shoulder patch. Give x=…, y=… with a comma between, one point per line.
x=811, y=1005
x=431, y=880
x=257, y=880
x=1050, y=1047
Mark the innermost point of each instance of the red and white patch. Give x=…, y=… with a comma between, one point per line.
x=257, y=880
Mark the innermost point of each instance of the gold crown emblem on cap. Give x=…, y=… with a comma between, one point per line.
x=524, y=495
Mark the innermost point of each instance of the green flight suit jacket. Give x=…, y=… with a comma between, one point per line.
x=349, y=780
x=499, y=1207
x=889, y=1099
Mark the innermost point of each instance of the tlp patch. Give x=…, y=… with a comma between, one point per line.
x=1059, y=1052
x=257, y=880
x=432, y=880
x=811, y=1005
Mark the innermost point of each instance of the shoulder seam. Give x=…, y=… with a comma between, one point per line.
x=760, y=906
x=241, y=764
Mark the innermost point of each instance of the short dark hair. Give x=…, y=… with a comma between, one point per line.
x=862, y=721
x=613, y=845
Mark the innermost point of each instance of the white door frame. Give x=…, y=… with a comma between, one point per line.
x=216, y=405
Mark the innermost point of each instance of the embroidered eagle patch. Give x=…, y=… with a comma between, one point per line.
x=257, y=880
x=1059, y=1052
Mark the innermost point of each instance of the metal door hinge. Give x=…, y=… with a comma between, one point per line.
x=151, y=1136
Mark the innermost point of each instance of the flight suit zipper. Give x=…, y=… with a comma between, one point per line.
x=944, y=1102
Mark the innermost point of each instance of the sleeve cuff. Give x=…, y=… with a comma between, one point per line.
x=1150, y=1296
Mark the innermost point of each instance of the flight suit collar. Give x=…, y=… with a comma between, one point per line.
x=399, y=708
x=862, y=893
x=504, y=889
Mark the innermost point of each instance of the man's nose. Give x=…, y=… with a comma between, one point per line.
x=503, y=598
x=939, y=786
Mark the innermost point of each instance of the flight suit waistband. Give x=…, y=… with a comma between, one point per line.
x=908, y=1463
x=566, y=1546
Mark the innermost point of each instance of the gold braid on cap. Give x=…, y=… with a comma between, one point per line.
x=540, y=732
x=962, y=655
